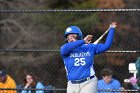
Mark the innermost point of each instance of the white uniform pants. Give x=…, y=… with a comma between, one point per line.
x=89, y=86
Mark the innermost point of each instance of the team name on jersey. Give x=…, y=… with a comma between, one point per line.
x=81, y=54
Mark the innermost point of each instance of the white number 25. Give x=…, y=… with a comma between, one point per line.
x=79, y=62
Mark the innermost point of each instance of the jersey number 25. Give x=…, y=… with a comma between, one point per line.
x=79, y=62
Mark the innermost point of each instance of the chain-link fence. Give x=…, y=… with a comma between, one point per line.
x=30, y=41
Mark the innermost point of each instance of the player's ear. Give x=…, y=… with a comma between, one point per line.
x=76, y=36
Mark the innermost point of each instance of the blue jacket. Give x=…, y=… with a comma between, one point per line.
x=39, y=85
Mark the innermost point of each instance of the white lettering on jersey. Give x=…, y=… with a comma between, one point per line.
x=82, y=54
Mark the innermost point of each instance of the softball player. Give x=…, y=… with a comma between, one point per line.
x=78, y=56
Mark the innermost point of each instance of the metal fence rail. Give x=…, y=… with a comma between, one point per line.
x=38, y=50
x=60, y=89
x=88, y=10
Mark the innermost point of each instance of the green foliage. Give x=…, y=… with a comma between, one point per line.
x=55, y=23
x=71, y=4
x=61, y=20
x=88, y=4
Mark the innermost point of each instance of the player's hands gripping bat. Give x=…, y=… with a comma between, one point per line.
x=88, y=39
x=112, y=25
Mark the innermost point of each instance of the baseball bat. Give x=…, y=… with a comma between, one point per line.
x=99, y=39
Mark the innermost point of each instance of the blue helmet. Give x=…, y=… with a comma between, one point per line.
x=73, y=30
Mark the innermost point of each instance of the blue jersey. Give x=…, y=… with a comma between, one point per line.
x=78, y=57
x=112, y=85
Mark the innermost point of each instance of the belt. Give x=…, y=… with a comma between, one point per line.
x=82, y=80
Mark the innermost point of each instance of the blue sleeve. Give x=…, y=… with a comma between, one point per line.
x=24, y=91
x=40, y=86
x=99, y=86
x=117, y=86
x=100, y=48
x=66, y=49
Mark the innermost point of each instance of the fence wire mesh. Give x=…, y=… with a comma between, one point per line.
x=30, y=40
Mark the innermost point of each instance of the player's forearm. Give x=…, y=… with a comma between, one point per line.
x=70, y=46
x=110, y=37
x=108, y=41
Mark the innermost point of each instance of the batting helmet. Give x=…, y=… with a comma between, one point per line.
x=74, y=30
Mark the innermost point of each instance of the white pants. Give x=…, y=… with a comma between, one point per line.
x=89, y=86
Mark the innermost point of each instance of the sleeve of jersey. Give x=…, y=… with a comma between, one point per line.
x=65, y=49
x=117, y=86
x=100, y=48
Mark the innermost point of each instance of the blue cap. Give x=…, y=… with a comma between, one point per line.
x=73, y=30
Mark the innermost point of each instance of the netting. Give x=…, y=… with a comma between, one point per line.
x=30, y=40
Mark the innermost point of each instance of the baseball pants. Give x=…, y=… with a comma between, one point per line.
x=89, y=86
